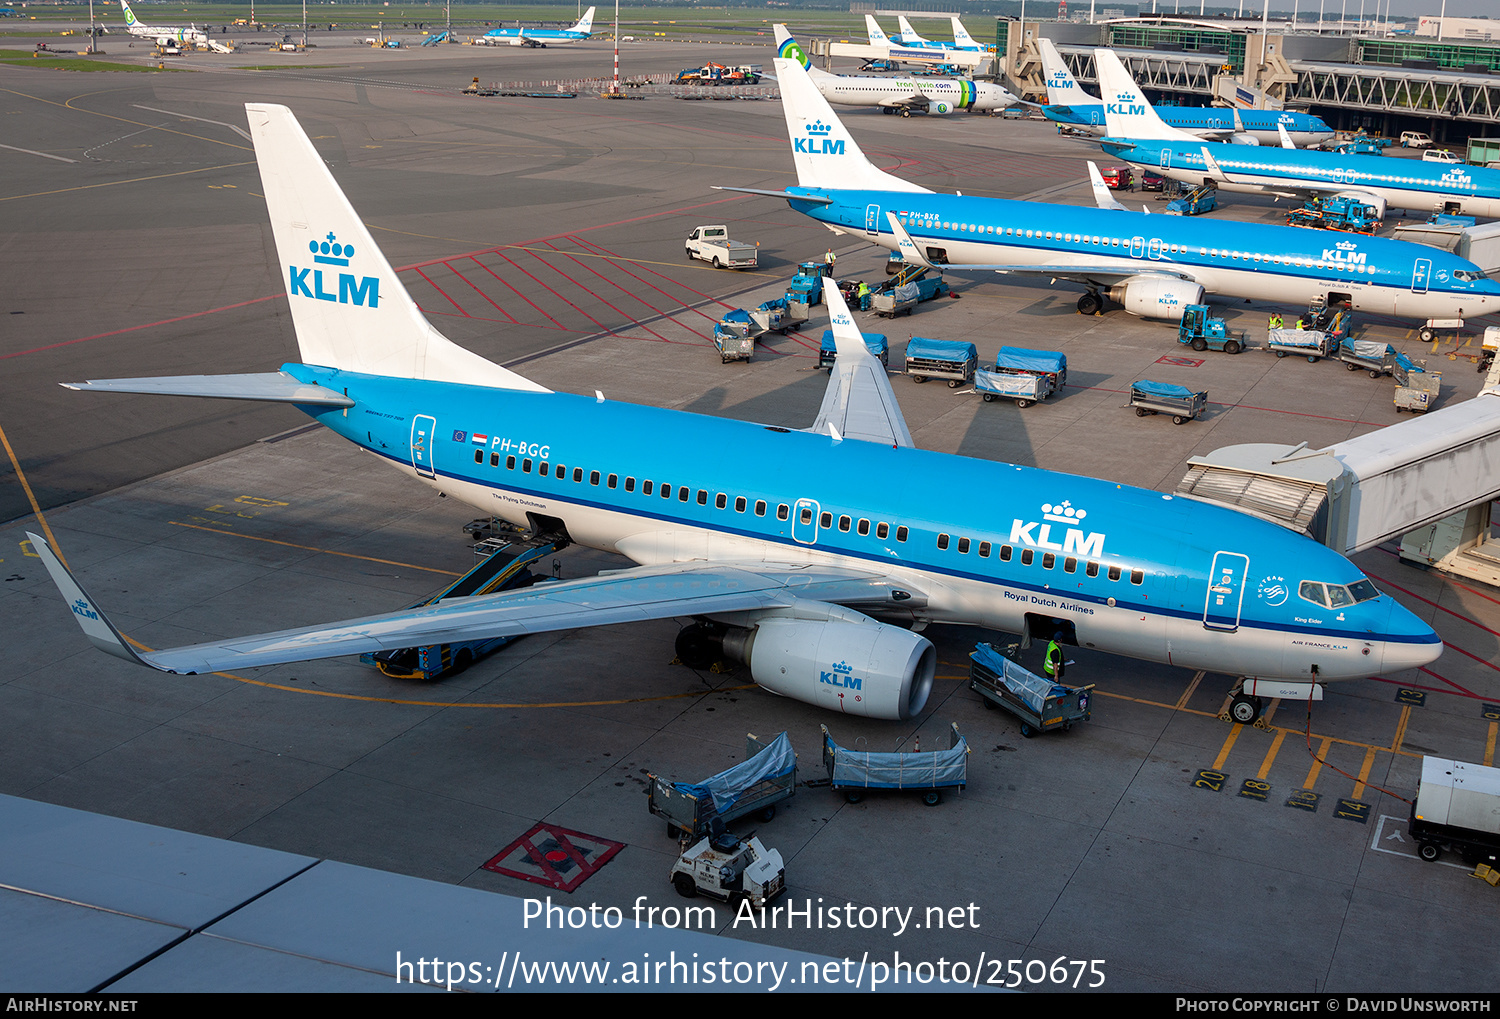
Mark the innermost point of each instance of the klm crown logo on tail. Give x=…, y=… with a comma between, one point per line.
x=819, y=142
x=1124, y=105
x=363, y=292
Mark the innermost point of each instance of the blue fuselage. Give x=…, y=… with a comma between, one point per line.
x=1304, y=128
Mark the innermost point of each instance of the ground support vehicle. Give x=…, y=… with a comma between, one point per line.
x=876, y=342
x=807, y=285
x=1457, y=808
x=855, y=773
x=1488, y=346
x=1201, y=331
x=1313, y=344
x=734, y=336
x=729, y=869
x=1182, y=403
x=1204, y=198
x=953, y=360
x=767, y=776
x=1429, y=329
x=712, y=244
x=905, y=290
x=1373, y=356
x=780, y=315
x=1117, y=178
x=1022, y=388
x=1416, y=388
x=1415, y=140
x=504, y=566
x=1360, y=147
x=1336, y=212
x=1040, y=704
x=1051, y=366
x=1152, y=181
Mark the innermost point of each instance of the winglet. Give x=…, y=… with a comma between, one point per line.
x=1286, y=139
x=99, y=630
x=1102, y=197
x=910, y=253
x=859, y=402
x=1215, y=171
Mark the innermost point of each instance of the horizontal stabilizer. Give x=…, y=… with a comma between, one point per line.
x=788, y=195
x=272, y=387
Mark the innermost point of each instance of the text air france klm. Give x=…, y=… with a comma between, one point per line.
x=350, y=290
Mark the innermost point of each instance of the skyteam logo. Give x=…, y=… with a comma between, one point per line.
x=1274, y=591
x=1074, y=542
x=1124, y=105
x=842, y=675
x=351, y=290
x=818, y=141
x=1346, y=252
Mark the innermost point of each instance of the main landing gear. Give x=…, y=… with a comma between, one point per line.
x=1091, y=303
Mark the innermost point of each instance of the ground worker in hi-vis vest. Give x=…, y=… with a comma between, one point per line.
x=1053, y=665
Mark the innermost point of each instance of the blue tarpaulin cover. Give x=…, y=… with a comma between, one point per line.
x=1008, y=384
x=1371, y=350
x=918, y=770
x=1033, y=690
x=875, y=341
x=737, y=315
x=776, y=304
x=775, y=761
x=941, y=350
x=1165, y=389
x=1021, y=359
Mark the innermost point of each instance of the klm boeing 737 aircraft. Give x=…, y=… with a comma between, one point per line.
x=811, y=555
x=541, y=38
x=934, y=96
x=1068, y=103
x=929, y=53
x=1137, y=135
x=907, y=36
x=1153, y=265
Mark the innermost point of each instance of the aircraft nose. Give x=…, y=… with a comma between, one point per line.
x=1409, y=643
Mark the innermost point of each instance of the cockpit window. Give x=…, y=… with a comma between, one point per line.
x=1337, y=596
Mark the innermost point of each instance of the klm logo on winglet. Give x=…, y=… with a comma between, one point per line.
x=362, y=291
x=842, y=675
x=1074, y=542
x=819, y=142
x=81, y=608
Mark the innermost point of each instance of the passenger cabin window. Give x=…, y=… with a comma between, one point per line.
x=577, y=474
x=963, y=546
x=844, y=523
x=645, y=488
x=984, y=550
x=760, y=507
x=739, y=505
x=1005, y=553
x=1026, y=556
x=721, y=501
x=826, y=520
x=864, y=527
x=782, y=511
x=942, y=541
x=593, y=477
x=882, y=529
x=510, y=463
x=1114, y=573
x=612, y=480
x=526, y=466
x=630, y=484
x=901, y=533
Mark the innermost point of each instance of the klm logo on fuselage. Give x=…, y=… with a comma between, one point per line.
x=363, y=291
x=842, y=675
x=818, y=141
x=1344, y=252
x=1457, y=178
x=1074, y=542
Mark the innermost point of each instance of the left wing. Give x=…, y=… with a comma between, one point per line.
x=1081, y=272
x=640, y=593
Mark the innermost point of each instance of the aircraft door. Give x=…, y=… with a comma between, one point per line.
x=1420, y=275
x=1094, y=117
x=872, y=220
x=1154, y=248
x=1138, y=246
x=1226, y=591
x=805, y=521
x=422, y=430
x=1166, y=158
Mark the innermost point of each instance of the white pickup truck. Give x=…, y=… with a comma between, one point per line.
x=712, y=244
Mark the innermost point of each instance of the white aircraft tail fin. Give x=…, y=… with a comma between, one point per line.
x=1102, y=197
x=1062, y=88
x=790, y=49
x=1286, y=139
x=908, y=34
x=825, y=153
x=961, y=35
x=876, y=33
x=1127, y=114
x=348, y=307
x=131, y=21
x=585, y=23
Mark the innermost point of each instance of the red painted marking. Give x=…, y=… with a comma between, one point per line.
x=595, y=296
x=606, y=251
x=571, y=859
x=636, y=297
x=481, y=293
x=440, y=290
x=516, y=292
x=1429, y=601
x=147, y=325
x=554, y=293
x=1185, y=362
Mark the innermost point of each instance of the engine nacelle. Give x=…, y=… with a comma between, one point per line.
x=1244, y=139
x=940, y=108
x=1155, y=297
x=870, y=669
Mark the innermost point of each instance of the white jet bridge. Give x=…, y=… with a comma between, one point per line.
x=1428, y=481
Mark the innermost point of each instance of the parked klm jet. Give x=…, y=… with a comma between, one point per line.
x=1153, y=265
x=1137, y=135
x=932, y=53
x=908, y=36
x=936, y=96
x=807, y=554
x=161, y=35
x=1068, y=103
x=541, y=38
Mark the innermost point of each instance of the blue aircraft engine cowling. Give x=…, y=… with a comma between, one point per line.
x=870, y=669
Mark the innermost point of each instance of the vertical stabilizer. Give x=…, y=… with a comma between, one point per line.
x=349, y=309
x=908, y=34
x=790, y=49
x=585, y=24
x=961, y=37
x=1127, y=114
x=876, y=33
x=825, y=153
x=1062, y=88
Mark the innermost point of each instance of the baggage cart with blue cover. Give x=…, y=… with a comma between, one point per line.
x=782, y=315
x=953, y=360
x=1040, y=704
x=1313, y=344
x=1373, y=356
x=755, y=786
x=856, y=772
x=1050, y=364
x=734, y=336
x=876, y=342
x=1182, y=403
x=1024, y=389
